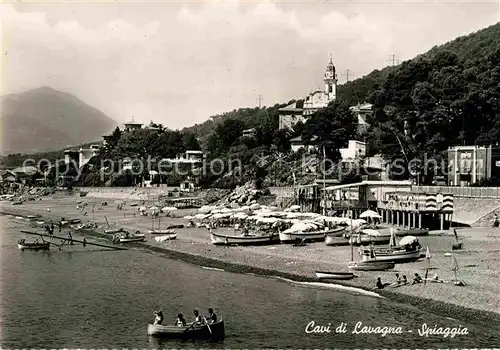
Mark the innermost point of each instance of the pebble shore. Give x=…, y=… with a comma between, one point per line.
x=479, y=261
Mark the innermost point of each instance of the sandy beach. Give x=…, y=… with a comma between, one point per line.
x=478, y=261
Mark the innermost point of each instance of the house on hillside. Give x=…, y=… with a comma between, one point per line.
x=132, y=125
x=362, y=111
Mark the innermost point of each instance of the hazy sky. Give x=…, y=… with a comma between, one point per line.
x=180, y=62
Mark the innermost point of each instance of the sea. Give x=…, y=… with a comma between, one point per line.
x=88, y=297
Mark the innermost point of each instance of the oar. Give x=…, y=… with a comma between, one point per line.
x=206, y=322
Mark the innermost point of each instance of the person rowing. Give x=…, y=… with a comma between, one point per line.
x=212, y=317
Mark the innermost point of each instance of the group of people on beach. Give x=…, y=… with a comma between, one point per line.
x=401, y=281
x=181, y=321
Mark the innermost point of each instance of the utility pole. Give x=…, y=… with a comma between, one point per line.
x=260, y=98
x=394, y=61
x=347, y=73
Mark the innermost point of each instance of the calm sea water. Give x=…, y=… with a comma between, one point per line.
x=91, y=298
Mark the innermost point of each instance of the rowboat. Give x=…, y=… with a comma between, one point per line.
x=166, y=237
x=219, y=239
x=336, y=232
x=371, y=265
x=291, y=237
x=413, y=232
x=77, y=227
x=161, y=232
x=131, y=239
x=334, y=275
x=336, y=240
x=212, y=331
x=113, y=231
x=33, y=246
x=396, y=255
x=371, y=236
x=75, y=221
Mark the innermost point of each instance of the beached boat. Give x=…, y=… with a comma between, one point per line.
x=219, y=239
x=161, y=232
x=413, y=232
x=335, y=275
x=77, y=227
x=397, y=255
x=336, y=240
x=33, y=246
x=368, y=236
x=114, y=230
x=292, y=237
x=371, y=265
x=212, y=331
x=166, y=237
x=131, y=239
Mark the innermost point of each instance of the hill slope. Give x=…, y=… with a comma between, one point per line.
x=44, y=119
x=469, y=47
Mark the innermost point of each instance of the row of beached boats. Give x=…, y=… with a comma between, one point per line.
x=332, y=237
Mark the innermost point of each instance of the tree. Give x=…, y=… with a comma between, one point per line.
x=190, y=141
x=331, y=128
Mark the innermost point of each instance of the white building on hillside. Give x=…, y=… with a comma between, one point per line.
x=293, y=113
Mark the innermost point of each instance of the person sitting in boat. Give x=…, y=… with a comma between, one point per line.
x=404, y=280
x=417, y=279
x=181, y=321
x=21, y=241
x=212, y=317
x=158, y=317
x=379, y=283
x=197, y=317
x=398, y=279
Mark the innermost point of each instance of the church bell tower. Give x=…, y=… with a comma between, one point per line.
x=330, y=81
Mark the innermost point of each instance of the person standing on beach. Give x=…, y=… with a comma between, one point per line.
x=60, y=225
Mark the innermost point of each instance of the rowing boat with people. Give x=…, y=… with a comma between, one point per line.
x=33, y=246
x=194, y=331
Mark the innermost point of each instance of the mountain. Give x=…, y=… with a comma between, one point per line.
x=45, y=119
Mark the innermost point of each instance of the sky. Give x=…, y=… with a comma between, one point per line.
x=181, y=62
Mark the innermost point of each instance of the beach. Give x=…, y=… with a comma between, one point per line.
x=479, y=266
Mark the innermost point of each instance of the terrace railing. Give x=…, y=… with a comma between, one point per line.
x=466, y=192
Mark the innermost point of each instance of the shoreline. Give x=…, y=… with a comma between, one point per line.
x=195, y=256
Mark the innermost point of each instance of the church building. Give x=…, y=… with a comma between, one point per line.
x=293, y=113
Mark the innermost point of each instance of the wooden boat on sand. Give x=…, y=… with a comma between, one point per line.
x=113, y=231
x=166, y=237
x=336, y=240
x=396, y=255
x=219, y=239
x=22, y=245
x=334, y=275
x=132, y=239
x=161, y=232
x=292, y=237
x=212, y=331
x=371, y=265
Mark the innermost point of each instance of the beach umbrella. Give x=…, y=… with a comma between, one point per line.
x=369, y=214
x=165, y=209
x=392, y=241
x=407, y=240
